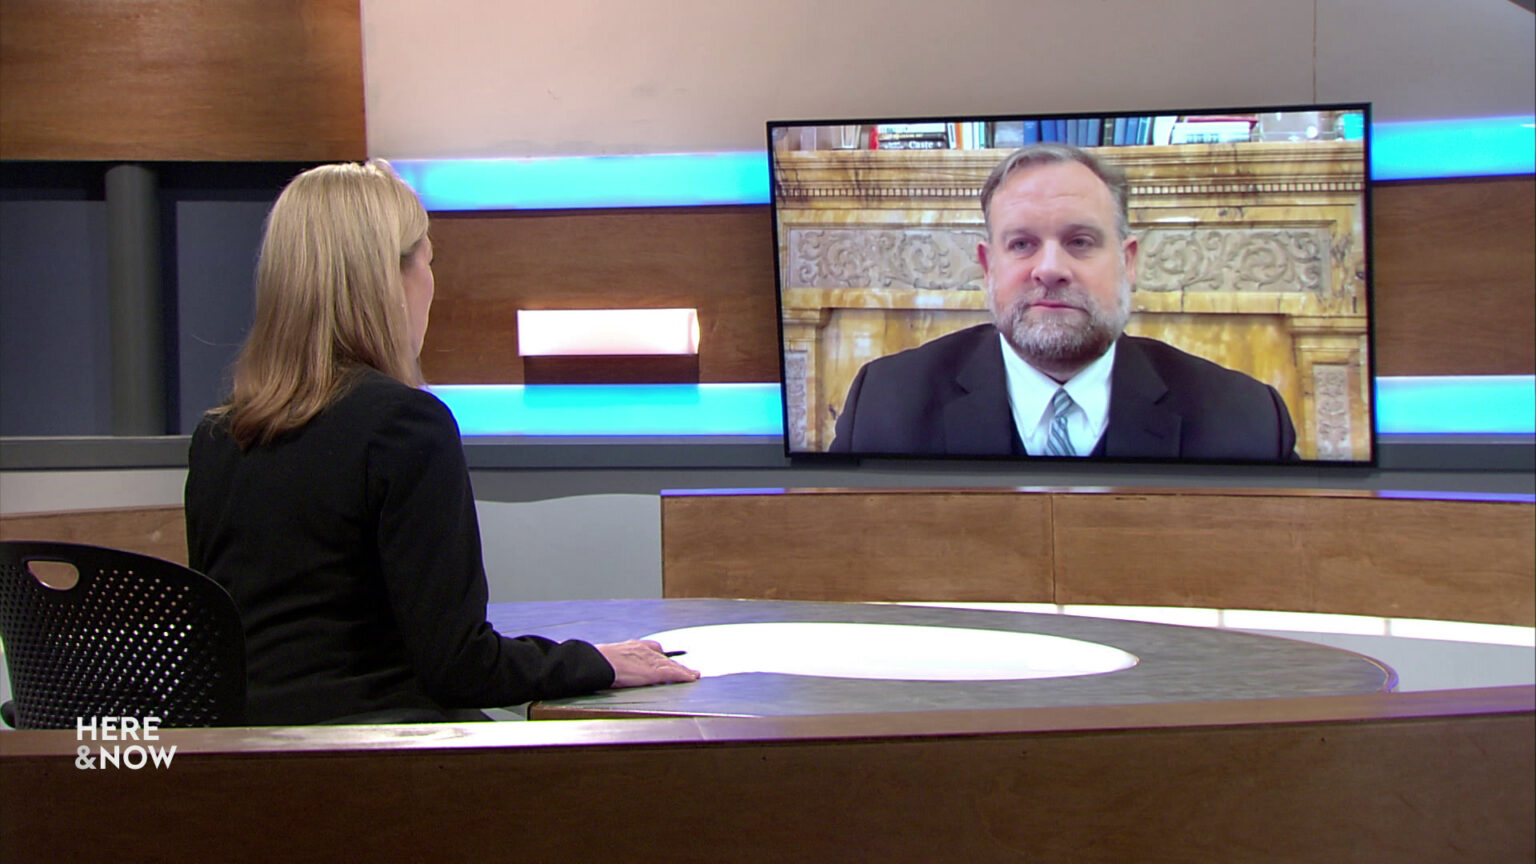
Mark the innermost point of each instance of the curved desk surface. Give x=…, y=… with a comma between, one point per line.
x=1176, y=664
x=1429, y=776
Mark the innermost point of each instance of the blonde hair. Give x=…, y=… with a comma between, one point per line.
x=329, y=297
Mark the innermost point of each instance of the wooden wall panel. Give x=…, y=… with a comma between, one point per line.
x=718, y=260
x=1229, y=782
x=157, y=531
x=1456, y=560
x=852, y=545
x=235, y=80
x=1456, y=277
x=1349, y=553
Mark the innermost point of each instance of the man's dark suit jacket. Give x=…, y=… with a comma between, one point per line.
x=950, y=397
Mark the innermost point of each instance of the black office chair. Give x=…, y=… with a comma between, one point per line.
x=134, y=636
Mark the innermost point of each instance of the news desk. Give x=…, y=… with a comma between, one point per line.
x=1205, y=775
x=1172, y=663
x=1365, y=776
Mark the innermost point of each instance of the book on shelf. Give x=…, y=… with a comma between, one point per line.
x=1250, y=119
x=913, y=144
x=1189, y=131
x=1126, y=131
x=911, y=128
x=1121, y=131
x=912, y=136
x=969, y=135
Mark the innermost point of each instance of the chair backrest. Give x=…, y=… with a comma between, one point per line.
x=135, y=636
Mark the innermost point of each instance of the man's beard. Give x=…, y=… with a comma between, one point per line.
x=1060, y=342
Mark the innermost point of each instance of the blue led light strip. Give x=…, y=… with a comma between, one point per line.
x=561, y=182
x=1457, y=405
x=1399, y=151
x=614, y=409
x=1487, y=146
x=1468, y=405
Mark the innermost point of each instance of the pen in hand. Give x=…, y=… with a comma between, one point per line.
x=673, y=653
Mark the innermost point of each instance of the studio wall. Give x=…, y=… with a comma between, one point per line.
x=478, y=78
x=589, y=77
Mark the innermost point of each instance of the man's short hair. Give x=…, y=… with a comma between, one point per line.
x=1034, y=155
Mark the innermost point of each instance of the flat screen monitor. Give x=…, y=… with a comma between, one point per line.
x=1173, y=285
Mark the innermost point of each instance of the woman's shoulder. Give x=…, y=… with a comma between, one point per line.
x=379, y=401
x=211, y=434
x=406, y=433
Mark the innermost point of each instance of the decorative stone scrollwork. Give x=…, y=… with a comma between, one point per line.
x=933, y=260
x=795, y=396
x=1331, y=398
x=1235, y=259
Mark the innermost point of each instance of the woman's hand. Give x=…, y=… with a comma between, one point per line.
x=639, y=662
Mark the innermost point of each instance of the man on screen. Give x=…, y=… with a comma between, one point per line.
x=1054, y=374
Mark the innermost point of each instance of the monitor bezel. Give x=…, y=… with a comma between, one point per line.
x=1055, y=462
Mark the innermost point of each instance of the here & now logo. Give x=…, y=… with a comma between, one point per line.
x=133, y=756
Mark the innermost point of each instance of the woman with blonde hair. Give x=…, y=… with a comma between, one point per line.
x=330, y=496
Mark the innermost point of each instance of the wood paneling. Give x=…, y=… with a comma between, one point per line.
x=157, y=531
x=866, y=546
x=1456, y=560
x=1342, y=552
x=1456, y=277
x=718, y=260
x=1422, y=777
x=236, y=80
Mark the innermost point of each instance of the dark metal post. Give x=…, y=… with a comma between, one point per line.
x=133, y=265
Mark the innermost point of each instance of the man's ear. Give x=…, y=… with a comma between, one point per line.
x=1129, y=248
x=981, y=256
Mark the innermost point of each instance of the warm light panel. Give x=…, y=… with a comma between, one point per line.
x=606, y=332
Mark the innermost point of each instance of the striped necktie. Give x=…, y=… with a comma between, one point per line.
x=1059, y=442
